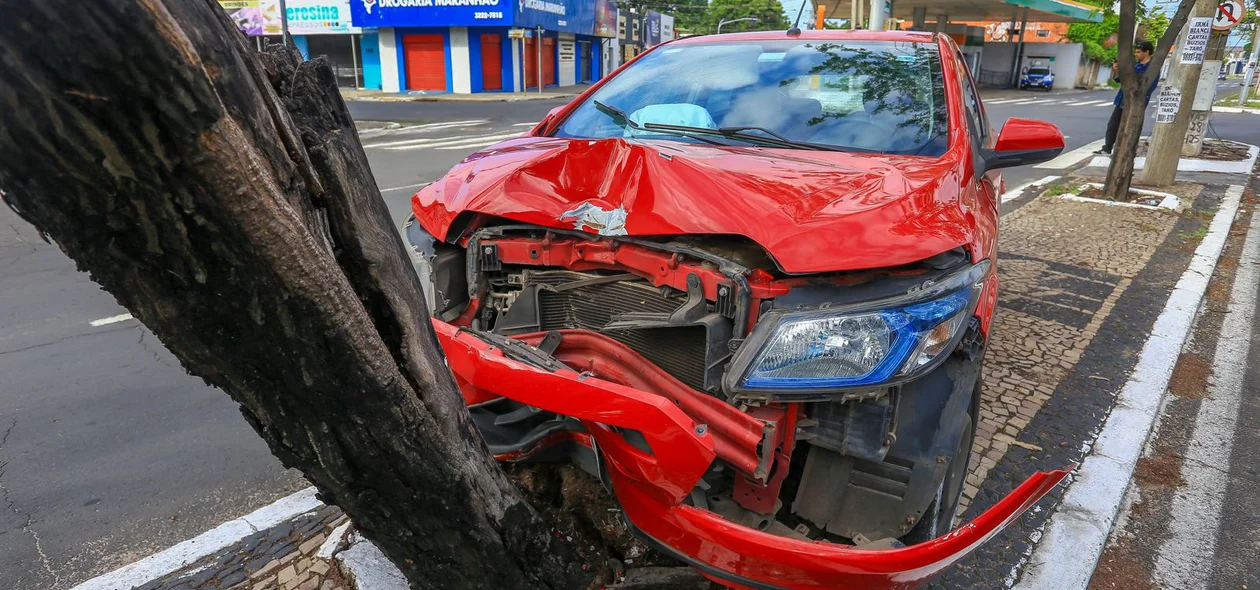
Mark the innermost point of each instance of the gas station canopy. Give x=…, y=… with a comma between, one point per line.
x=1057, y=11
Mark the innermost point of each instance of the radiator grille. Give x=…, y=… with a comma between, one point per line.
x=680, y=351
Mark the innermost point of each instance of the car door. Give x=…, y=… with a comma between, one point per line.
x=989, y=184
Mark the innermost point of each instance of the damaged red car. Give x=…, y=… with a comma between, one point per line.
x=746, y=281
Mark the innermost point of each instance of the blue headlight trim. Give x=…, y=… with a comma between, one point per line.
x=908, y=324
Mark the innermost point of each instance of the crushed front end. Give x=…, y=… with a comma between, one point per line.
x=774, y=431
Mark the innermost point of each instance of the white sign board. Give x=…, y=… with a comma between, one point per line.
x=1228, y=13
x=1169, y=102
x=1197, y=34
x=1205, y=92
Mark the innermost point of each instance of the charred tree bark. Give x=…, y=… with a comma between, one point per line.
x=1120, y=172
x=228, y=204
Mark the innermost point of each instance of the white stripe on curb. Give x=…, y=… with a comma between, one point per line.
x=1018, y=191
x=1075, y=536
x=1188, y=550
x=164, y=562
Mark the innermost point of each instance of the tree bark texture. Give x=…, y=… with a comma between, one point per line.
x=228, y=204
x=1120, y=172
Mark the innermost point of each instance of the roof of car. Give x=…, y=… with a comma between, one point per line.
x=818, y=34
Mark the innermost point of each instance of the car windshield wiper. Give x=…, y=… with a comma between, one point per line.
x=623, y=120
x=773, y=139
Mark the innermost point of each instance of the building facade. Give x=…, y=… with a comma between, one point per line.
x=470, y=46
x=318, y=28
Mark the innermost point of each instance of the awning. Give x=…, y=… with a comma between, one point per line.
x=1057, y=11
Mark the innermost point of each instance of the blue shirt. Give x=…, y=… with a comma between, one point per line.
x=1140, y=68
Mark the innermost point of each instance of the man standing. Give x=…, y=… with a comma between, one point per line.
x=1142, y=53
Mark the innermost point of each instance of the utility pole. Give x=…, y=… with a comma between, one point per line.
x=1251, y=64
x=1201, y=108
x=879, y=15
x=1166, y=141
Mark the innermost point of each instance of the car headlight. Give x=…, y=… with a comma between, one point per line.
x=858, y=345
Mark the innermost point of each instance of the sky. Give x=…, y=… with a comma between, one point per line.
x=791, y=7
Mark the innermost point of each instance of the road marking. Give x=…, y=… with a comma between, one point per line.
x=1069, y=159
x=1188, y=550
x=420, y=141
x=1075, y=535
x=454, y=142
x=1018, y=191
x=403, y=187
x=114, y=319
x=524, y=124
x=169, y=560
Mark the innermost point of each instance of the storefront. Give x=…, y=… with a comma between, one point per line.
x=318, y=28
x=466, y=46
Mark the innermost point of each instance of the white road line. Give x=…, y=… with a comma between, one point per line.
x=1069, y=159
x=167, y=561
x=1188, y=550
x=1001, y=101
x=456, y=142
x=524, y=124
x=420, y=141
x=403, y=187
x=1074, y=538
x=114, y=319
x=1018, y=191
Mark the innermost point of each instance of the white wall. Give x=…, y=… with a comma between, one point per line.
x=391, y=78
x=565, y=52
x=1067, y=59
x=518, y=66
x=461, y=75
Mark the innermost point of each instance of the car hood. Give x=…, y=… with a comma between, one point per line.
x=812, y=211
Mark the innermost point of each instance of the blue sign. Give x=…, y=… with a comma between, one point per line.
x=652, y=24
x=570, y=16
x=431, y=13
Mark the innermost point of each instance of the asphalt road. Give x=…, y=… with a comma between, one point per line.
x=109, y=451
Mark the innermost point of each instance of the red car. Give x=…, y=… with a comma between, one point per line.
x=746, y=281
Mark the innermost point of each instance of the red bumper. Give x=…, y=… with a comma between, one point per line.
x=651, y=486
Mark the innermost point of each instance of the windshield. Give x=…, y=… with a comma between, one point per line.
x=877, y=96
x=1039, y=72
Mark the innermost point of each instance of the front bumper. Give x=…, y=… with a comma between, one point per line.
x=651, y=485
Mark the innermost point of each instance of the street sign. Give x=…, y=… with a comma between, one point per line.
x=1169, y=102
x=1228, y=14
x=1197, y=35
x=516, y=33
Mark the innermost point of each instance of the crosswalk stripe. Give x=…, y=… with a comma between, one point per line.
x=454, y=142
x=524, y=124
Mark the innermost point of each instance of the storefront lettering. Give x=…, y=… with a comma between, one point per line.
x=551, y=7
x=431, y=3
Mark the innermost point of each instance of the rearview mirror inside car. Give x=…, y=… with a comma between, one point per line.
x=1023, y=142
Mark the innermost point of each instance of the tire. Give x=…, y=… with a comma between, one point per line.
x=935, y=520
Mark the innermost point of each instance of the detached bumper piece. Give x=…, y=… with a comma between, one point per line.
x=654, y=445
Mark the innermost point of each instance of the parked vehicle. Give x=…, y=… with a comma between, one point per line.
x=1041, y=78
x=747, y=281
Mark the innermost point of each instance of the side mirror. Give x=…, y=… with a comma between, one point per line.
x=1023, y=142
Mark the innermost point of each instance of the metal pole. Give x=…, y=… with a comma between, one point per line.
x=284, y=20
x=538, y=44
x=879, y=17
x=861, y=13
x=853, y=15
x=354, y=59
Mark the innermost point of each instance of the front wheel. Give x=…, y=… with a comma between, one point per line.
x=938, y=519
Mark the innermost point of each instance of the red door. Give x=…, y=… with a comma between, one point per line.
x=491, y=62
x=549, y=61
x=425, y=61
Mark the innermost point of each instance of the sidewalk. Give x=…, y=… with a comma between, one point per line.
x=433, y=96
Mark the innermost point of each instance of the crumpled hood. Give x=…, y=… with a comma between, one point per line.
x=813, y=211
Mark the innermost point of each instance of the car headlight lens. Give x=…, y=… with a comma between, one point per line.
x=822, y=350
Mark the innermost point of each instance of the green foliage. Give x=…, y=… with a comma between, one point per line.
x=1098, y=39
x=769, y=13
x=689, y=15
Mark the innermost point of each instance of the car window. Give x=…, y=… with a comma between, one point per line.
x=1038, y=71
x=971, y=102
x=883, y=97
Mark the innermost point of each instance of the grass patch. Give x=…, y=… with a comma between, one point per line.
x=1061, y=189
x=1196, y=235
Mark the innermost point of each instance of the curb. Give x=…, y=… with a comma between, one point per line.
x=1247, y=110
x=1077, y=533
x=1193, y=164
x=187, y=552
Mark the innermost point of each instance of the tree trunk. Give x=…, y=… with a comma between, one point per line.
x=1120, y=173
x=228, y=204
